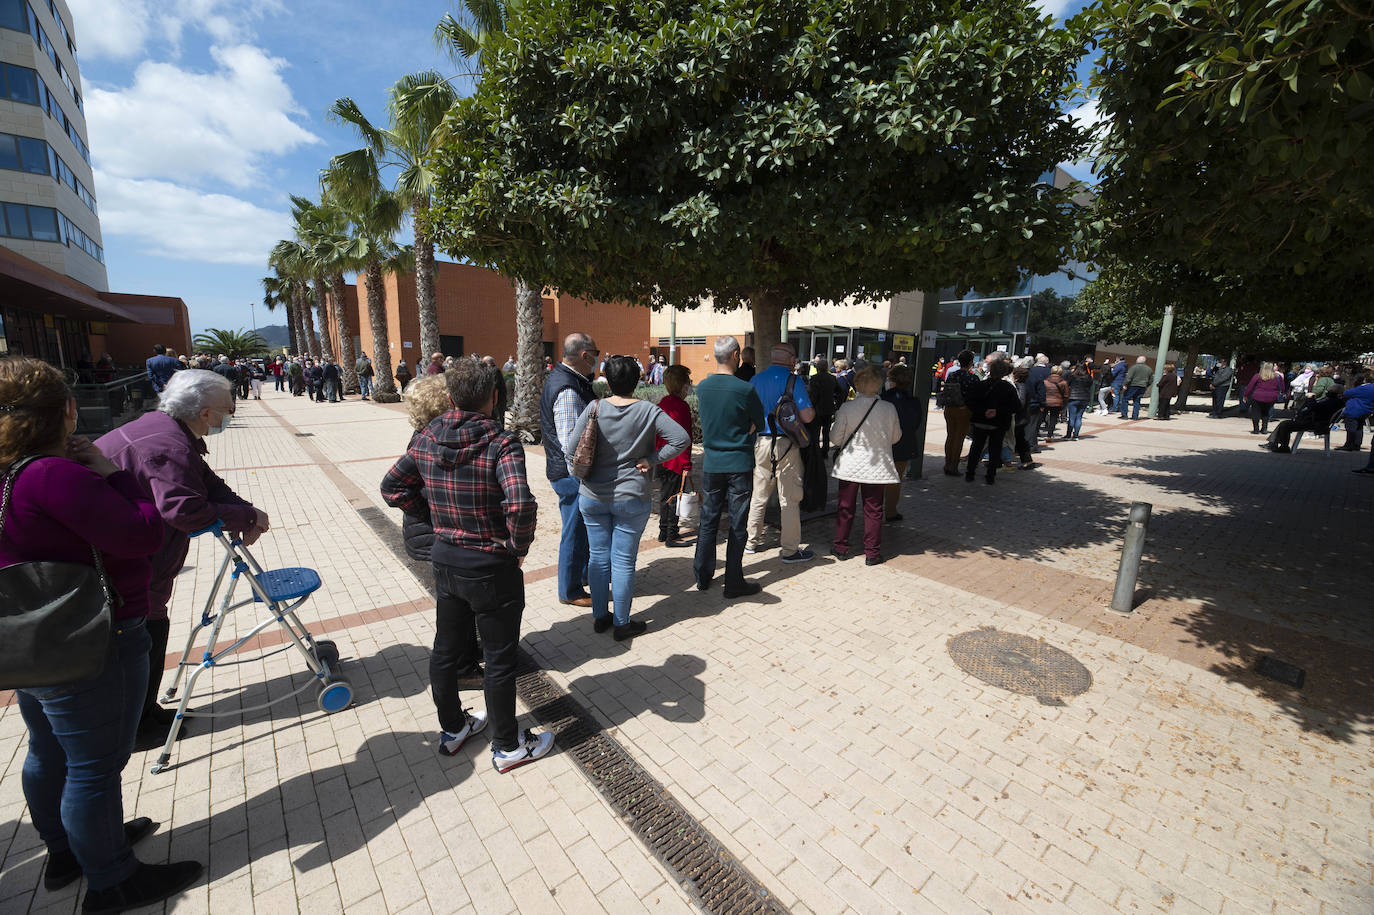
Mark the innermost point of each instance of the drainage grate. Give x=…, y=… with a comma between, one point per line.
x=1290, y=674
x=705, y=870
x=1021, y=664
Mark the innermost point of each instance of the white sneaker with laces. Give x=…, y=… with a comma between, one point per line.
x=449, y=744
x=532, y=746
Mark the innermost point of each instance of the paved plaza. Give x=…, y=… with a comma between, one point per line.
x=822, y=733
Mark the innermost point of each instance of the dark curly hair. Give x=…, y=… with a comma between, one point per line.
x=33, y=408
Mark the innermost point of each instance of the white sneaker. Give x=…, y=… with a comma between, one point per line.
x=449, y=744
x=532, y=746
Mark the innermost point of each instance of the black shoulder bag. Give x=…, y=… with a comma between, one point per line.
x=55, y=617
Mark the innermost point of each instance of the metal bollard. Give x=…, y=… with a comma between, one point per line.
x=1123, y=598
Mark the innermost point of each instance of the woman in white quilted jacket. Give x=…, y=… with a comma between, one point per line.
x=865, y=430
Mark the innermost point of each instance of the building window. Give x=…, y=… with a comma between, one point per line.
x=47, y=224
x=31, y=155
x=14, y=15
x=21, y=84
x=18, y=15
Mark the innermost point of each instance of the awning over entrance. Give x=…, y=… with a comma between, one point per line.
x=32, y=287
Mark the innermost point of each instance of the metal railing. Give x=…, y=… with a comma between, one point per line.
x=102, y=407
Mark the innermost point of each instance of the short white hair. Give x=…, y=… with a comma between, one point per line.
x=192, y=390
x=724, y=348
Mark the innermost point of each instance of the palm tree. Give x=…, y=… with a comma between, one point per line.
x=322, y=228
x=236, y=344
x=277, y=291
x=291, y=259
x=369, y=246
x=416, y=107
x=479, y=33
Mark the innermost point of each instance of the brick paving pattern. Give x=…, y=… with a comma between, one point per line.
x=820, y=732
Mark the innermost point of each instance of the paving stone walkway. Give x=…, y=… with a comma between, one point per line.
x=821, y=733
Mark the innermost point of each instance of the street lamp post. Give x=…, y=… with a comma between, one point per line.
x=253, y=310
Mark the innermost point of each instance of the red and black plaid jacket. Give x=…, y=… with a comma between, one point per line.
x=470, y=476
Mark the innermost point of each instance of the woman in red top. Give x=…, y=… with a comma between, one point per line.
x=678, y=380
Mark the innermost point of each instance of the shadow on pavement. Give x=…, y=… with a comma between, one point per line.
x=1273, y=553
x=673, y=692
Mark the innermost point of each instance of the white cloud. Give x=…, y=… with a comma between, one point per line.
x=121, y=29
x=183, y=125
x=171, y=220
x=1086, y=114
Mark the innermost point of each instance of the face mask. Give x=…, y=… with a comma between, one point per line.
x=217, y=429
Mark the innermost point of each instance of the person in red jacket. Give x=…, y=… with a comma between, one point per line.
x=678, y=380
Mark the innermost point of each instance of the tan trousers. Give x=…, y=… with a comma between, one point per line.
x=789, y=481
x=957, y=421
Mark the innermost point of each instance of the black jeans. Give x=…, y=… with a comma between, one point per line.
x=1051, y=420
x=1354, y=434
x=719, y=492
x=1219, y=400
x=819, y=430
x=989, y=440
x=669, y=484
x=1259, y=413
x=1035, y=414
x=496, y=597
x=1023, y=450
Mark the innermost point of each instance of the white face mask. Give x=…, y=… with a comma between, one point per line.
x=223, y=424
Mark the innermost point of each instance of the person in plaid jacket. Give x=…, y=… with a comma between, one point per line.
x=468, y=475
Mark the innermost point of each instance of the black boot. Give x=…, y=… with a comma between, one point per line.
x=62, y=867
x=149, y=884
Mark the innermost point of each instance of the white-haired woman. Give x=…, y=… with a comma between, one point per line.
x=164, y=450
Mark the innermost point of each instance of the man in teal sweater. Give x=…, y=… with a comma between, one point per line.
x=731, y=417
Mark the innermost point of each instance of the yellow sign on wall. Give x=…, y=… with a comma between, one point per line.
x=47, y=321
x=903, y=343
x=99, y=327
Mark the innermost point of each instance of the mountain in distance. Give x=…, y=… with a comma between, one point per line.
x=276, y=336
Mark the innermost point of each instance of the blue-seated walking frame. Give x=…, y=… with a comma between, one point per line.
x=282, y=591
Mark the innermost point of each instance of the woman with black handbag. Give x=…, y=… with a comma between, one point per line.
x=68, y=515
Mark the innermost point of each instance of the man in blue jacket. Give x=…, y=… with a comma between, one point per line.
x=161, y=367
x=1359, y=405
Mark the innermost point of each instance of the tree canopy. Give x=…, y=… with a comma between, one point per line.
x=764, y=154
x=236, y=344
x=1125, y=305
x=1236, y=143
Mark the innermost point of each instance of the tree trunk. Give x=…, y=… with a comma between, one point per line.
x=302, y=341
x=1187, y=386
x=322, y=309
x=312, y=342
x=346, y=355
x=767, y=306
x=384, y=383
x=424, y=289
x=291, y=334
x=529, y=361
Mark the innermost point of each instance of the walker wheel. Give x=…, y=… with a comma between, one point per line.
x=336, y=696
x=327, y=653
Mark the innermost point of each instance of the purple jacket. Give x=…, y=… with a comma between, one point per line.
x=58, y=510
x=169, y=464
x=1262, y=391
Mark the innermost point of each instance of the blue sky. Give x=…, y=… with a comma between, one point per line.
x=204, y=115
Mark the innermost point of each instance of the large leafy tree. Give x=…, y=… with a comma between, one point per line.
x=236, y=344
x=765, y=155
x=322, y=228
x=291, y=260
x=416, y=107
x=1236, y=144
x=472, y=39
x=1126, y=303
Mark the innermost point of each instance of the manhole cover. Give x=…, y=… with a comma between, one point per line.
x=1021, y=664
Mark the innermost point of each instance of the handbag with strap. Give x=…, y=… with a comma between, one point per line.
x=835, y=455
x=585, y=453
x=688, y=502
x=55, y=617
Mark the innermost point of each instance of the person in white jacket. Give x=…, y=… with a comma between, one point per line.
x=865, y=430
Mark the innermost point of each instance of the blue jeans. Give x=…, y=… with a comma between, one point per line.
x=1075, y=420
x=279, y=381
x=1118, y=386
x=718, y=491
x=613, y=532
x=572, y=544
x=365, y=384
x=1132, y=398
x=80, y=738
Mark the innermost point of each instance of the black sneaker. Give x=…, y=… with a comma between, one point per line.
x=601, y=625
x=62, y=867
x=629, y=630
x=149, y=884
x=873, y=560
x=744, y=590
x=802, y=555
